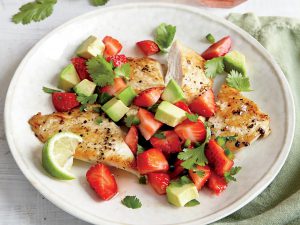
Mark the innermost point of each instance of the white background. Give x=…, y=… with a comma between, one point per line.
x=20, y=203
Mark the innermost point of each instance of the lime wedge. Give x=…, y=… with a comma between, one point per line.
x=57, y=156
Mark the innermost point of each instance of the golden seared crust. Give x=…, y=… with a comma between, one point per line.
x=101, y=142
x=237, y=115
x=145, y=73
x=187, y=68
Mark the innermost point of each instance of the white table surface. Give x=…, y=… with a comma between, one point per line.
x=20, y=203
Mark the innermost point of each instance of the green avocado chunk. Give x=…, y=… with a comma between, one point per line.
x=235, y=60
x=115, y=109
x=85, y=87
x=179, y=195
x=68, y=78
x=172, y=93
x=170, y=114
x=126, y=95
x=90, y=48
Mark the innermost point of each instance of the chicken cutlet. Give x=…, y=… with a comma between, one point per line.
x=101, y=142
x=186, y=67
x=238, y=116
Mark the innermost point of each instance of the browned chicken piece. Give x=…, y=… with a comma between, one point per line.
x=145, y=73
x=101, y=142
x=186, y=67
x=238, y=116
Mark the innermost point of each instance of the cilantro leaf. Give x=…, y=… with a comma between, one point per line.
x=160, y=135
x=210, y=38
x=97, y=109
x=50, y=90
x=132, y=202
x=164, y=35
x=104, y=97
x=140, y=149
x=214, y=67
x=143, y=180
x=153, y=108
x=123, y=71
x=99, y=2
x=82, y=108
x=187, y=143
x=87, y=99
x=99, y=120
x=192, y=117
x=238, y=81
x=101, y=71
x=181, y=181
x=229, y=154
x=131, y=120
x=192, y=203
x=229, y=176
x=223, y=140
x=200, y=173
x=34, y=11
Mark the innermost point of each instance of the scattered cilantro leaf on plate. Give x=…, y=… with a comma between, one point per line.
x=164, y=35
x=214, y=67
x=192, y=203
x=229, y=176
x=50, y=90
x=123, y=71
x=132, y=202
x=99, y=2
x=192, y=117
x=238, y=81
x=131, y=120
x=160, y=135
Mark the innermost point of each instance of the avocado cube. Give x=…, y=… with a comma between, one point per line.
x=127, y=95
x=235, y=60
x=170, y=114
x=115, y=109
x=179, y=195
x=172, y=93
x=91, y=47
x=68, y=78
x=85, y=87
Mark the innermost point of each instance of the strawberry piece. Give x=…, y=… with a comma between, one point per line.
x=131, y=139
x=64, y=102
x=118, y=85
x=199, y=181
x=117, y=60
x=194, y=131
x=148, y=125
x=183, y=106
x=169, y=144
x=152, y=160
x=148, y=97
x=218, y=49
x=216, y=183
x=102, y=181
x=204, y=105
x=178, y=169
x=112, y=46
x=81, y=69
x=217, y=158
x=159, y=182
x=148, y=47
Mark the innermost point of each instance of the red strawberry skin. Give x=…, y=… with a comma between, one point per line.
x=117, y=60
x=217, y=158
x=218, y=49
x=200, y=181
x=170, y=144
x=216, y=183
x=131, y=139
x=102, y=181
x=159, y=182
x=148, y=97
x=204, y=105
x=183, y=106
x=148, y=47
x=112, y=46
x=64, y=102
x=194, y=131
x=81, y=69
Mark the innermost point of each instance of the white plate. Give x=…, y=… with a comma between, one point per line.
x=130, y=23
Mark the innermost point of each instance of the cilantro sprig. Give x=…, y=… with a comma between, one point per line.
x=164, y=35
x=123, y=71
x=99, y=2
x=238, y=81
x=214, y=67
x=160, y=135
x=131, y=120
x=50, y=90
x=132, y=202
x=192, y=117
x=229, y=176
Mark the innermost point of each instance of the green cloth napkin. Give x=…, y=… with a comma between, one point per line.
x=280, y=202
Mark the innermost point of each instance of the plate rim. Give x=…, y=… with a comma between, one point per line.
x=245, y=199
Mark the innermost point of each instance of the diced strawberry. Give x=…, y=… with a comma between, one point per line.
x=159, y=182
x=102, y=181
x=194, y=131
x=64, y=102
x=178, y=169
x=204, y=105
x=216, y=183
x=117, y=60
x=131, y=139
x=183, y=106
x=148, y=97
x=217, y=158
x=148, y=125
x=112, y=46
x=218, y=49
x=81, y=69
x=152, y=160
x=118, y=85
x=199, y=181
x=169, y=144
x=148, y=47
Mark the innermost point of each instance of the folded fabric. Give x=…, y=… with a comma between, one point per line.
x=280, y=202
